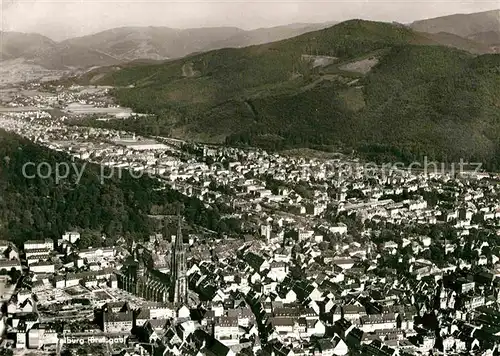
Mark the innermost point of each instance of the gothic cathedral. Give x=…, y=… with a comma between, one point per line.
x=152, y=284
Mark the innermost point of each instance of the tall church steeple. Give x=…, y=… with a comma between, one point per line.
x=178, y=293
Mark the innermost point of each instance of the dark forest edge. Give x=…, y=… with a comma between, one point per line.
x=39, y=208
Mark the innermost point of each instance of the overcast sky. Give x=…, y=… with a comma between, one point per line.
x=61, y=19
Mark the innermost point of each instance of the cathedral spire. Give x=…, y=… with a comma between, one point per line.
x=178, y=267
x=133, y=247
x=178, y=240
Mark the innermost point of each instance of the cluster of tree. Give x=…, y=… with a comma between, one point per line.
x=38, y=207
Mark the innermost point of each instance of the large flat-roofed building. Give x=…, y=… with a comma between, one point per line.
x=141, y=145
x=88, y=109
x=39, y=244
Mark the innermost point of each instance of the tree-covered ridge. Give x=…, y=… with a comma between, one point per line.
x=33, y=208
x=426, y=101
x=229, y=72
x=417, y=99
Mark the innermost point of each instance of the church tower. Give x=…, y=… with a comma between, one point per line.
x=178, y=285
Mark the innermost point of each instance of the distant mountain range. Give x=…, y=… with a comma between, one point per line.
x=125, y=44
x=464, y=25
x=476, y=33
x=40, y=50
x=481, y=27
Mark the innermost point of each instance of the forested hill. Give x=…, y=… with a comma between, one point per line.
x=41, y=208
x=369, y=86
